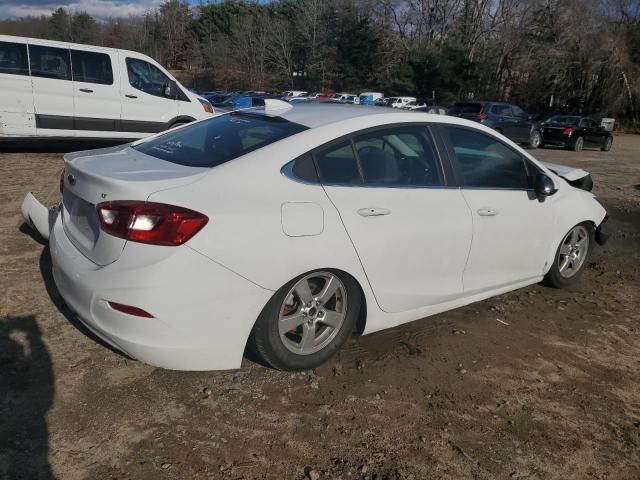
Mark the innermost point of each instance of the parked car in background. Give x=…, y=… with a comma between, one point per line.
x=575, y=133
x=154, y=245
x=370, y=98
x=382, y=102
x=399, y=102
x=294, y=93
x=506, y=118
x=58, y=89
x=340, y=98
x=353, y=99
x=415, y=105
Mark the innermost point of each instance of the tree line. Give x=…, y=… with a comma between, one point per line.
x=580, y=56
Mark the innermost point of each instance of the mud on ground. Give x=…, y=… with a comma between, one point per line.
x=534, y=384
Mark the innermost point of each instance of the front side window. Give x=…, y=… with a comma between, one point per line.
x=13, y=58
x=400, y=156
x=484, y=162
x=91, y=67
x=50, y=62
x=504, y=110
x=146, y=77
x=219, y=139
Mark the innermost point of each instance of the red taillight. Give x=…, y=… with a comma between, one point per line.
x=568, y=131
x=148, y=222
x=129, y=310
x=481, y=115
x=62, y=181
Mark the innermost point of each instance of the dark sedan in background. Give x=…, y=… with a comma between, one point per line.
x=575, y=133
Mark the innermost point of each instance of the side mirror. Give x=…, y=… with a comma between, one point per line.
x=170, y=89
x=544, y=186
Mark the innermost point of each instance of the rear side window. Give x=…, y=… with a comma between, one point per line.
x=401, y=156
x=501, y=110
x=484, y=162
x=146, y=77
x=13, y=58
x=50, y=62
x=337, y=164
x=218, y=140
x=91, y=67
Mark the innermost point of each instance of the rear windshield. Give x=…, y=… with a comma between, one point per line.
x=563, y=120
x=464, y=107
x=216, y=141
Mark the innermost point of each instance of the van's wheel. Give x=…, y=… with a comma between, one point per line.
x=307, y=320
x=607, y=144
x=534, y=141
x=578, y=145
x=178, y=124
x=571, y=257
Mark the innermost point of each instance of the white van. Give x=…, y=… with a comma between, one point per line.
x=400, y=102
x=57, y=89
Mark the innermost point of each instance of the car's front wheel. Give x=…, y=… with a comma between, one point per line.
x=571, y=256
x=535, y=140
x=307, y=320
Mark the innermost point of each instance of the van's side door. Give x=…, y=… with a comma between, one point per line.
x=16, y=96
x=96, y=93
x=52, y=89
x=145, y=107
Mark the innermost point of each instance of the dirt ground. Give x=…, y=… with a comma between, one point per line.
x=534, y=384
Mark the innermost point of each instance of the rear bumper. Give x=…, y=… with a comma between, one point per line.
x=203, y=313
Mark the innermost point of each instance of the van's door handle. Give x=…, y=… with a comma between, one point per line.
x=130, y=96
x=373, y=212
x=86, y=90
x=487, y=212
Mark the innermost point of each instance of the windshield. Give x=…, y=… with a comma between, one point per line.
x=220, y=139
x=563, y=120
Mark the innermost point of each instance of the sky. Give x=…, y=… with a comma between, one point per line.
x=100, y=9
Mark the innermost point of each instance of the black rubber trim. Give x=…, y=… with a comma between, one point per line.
x=62, y=122
x=601, y=236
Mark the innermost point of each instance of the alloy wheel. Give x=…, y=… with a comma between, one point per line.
x=573, y=251
x=312, y=313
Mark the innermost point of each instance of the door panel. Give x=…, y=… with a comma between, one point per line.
x=16, y=97
x=52, y=90
x=96, y=93
x=144, y=107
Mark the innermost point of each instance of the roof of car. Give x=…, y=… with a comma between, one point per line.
x=315, y=115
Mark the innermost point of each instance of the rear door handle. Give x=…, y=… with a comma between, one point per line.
x=487, y=212
x=86, y=90
x=373, y=212
x=130, y=96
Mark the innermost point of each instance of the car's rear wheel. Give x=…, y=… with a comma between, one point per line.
x=607, y=144
x=307, y=320
x=535, y=140
x=571, y=257
x=578, y=146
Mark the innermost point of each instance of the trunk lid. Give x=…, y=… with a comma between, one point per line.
x=117, y=173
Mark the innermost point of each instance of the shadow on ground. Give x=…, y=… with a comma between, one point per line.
x=26, y=394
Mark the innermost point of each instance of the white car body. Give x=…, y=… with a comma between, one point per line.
x=399, y=102
x=42, y=95
x=293, y=94
x=414, y=252
x=413, y=105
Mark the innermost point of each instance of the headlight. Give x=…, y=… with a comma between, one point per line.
x=206, y=105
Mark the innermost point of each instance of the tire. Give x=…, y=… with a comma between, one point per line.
x=535, y=141
x=562, y=274
x=293, y=350
x=607, y=144
x=578, y=145
x=177, y=124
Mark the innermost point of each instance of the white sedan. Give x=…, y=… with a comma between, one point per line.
x=287, y=229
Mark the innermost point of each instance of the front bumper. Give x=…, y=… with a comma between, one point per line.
x=203, y=312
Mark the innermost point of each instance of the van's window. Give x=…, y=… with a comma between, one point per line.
x=91, y=67
x=485, y=162
x=13, y=58
x=50, y=62
x=146, y=77
x=220, y=139
x=398, y=156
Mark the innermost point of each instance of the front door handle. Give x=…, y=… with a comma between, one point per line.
x=373, y=212
x=130, y=96
x=86, y=90
x=487, y=212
